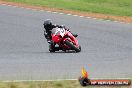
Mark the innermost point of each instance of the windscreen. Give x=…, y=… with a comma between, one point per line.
x=58, y=31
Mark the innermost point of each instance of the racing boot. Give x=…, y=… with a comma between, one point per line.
x=51, y=46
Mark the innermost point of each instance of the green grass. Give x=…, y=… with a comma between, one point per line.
x=112, y=7
x=51, y=84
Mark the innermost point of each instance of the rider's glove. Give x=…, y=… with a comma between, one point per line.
x=49, y=41
x=62, y=26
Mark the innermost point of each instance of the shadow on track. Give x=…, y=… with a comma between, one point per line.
x=62, y=52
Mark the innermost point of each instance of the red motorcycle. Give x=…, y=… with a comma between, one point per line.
x=65, y=40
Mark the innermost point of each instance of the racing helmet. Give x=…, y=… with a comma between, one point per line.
x=47, y=23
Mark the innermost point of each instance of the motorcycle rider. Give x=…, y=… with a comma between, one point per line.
x=48, y=26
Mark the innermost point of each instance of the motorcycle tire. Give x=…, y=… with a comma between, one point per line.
x=73, y=46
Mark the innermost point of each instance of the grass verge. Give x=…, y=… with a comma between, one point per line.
x=112, y=7
x=51, y=84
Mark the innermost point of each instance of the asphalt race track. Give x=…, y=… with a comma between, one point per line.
x=106, y=47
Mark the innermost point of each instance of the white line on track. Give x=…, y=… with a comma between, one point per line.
x=75, y=15
x=62, y=80
x=47, y=11
x=81, y=16
x=61, y=13
x=37, y=80
x=54, y=12
x=69, y=14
